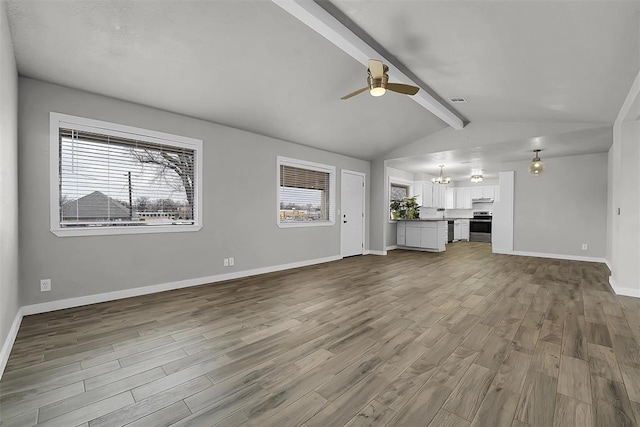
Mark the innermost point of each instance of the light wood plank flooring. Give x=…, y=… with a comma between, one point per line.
x=461, y=338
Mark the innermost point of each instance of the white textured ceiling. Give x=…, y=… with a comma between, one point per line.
x=487, y=160
x=250, y=65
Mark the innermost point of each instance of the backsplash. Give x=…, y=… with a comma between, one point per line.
x=458, y=213
x=431, y=213
x=482, y=207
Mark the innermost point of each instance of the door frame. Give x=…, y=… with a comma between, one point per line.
x=364, y=204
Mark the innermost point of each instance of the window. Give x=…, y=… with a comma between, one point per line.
x=115, y=179
x=398, y=189
x=398, y=192
x=305, y=193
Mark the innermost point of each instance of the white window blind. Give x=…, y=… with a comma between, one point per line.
x=107, y=181
x=305, y=193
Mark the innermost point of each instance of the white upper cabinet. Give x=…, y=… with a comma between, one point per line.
x=430, y=195
x=416, y=192
x=462, y=197
x=476, y=192
x=484, y=192
x=450, y=198
x=423, y=190
x=489, y=192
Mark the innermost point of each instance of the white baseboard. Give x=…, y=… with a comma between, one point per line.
x=553, y=256
x=127, y=293
x=392, y=247
x=372, y=252
x=8, y=342
x=619, y=290
x=606, y=261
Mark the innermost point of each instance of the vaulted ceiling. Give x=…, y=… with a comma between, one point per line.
x=253, y=66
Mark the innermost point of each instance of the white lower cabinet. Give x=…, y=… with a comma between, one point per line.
x=464, y=229
x=461, y=229
x=422, y=235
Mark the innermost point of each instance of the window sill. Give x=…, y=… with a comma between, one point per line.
x=305, y=224
x=107, y=231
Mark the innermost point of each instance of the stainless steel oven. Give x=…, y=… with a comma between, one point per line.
x=480, y=227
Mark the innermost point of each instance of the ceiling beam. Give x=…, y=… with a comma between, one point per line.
x=322, y=22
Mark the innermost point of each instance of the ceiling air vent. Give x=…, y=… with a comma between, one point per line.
x=458, y=100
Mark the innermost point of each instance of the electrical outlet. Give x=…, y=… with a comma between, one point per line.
x=45, y=285
x=226, y=262
x=231, y=261
x=585, y=246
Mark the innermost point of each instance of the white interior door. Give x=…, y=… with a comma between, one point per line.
x=352, y=213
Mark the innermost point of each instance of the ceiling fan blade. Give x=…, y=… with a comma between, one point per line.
x=376, y=68
x=357, y=92
x=403, y=88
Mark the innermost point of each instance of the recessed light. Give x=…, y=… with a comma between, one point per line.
x=458, y=100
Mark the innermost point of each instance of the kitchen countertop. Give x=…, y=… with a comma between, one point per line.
x=432, y=219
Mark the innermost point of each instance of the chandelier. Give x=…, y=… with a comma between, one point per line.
x=476, y=178
x=441, y=179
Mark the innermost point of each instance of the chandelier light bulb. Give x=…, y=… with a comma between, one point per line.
x=536, y=167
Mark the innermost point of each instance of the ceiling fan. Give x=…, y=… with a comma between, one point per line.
x=378, y=82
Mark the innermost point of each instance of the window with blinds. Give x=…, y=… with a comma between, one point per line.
x=305, y=193
x=109, y=179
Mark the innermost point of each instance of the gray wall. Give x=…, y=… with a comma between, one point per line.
x=9, y=290
x=558, y=211
x=239, y=204
x=378, y=201
x=623, y=245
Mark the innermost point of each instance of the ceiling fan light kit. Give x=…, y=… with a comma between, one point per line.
x=378, y=82
x=536, y=167
x=441, y=179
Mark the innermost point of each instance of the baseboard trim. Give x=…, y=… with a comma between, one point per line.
x=372, y=252
x=606, y=261
x=553, y=256
x=145, y=290
x=392, y=247
x=619, y=290
x=8, y=342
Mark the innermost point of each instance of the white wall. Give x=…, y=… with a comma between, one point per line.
x=624, y=194
x=556, y=212
x=9, y=290
x=391, y=233
x=239, y=204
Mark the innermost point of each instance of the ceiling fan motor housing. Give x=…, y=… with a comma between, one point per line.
x=374, y=83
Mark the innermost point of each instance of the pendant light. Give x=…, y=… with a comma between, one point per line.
x=536, y=167
x=441, y=179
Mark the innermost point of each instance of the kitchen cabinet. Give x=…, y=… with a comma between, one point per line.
x=423, y=190
x=439, y=196
x=401, y=234
x=450, y=198
x=476, y=192
x=489, y=192
x=464, y=229
x=484, y=192
x=457, y=230
x=463, y=197
x=422, y=235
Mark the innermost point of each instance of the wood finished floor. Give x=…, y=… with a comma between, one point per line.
x=462, y=338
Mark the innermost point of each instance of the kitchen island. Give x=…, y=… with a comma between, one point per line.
x=422, y=234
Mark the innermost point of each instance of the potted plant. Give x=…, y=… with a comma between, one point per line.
x=395, y=206
x=407, y=208
x=412, y=208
